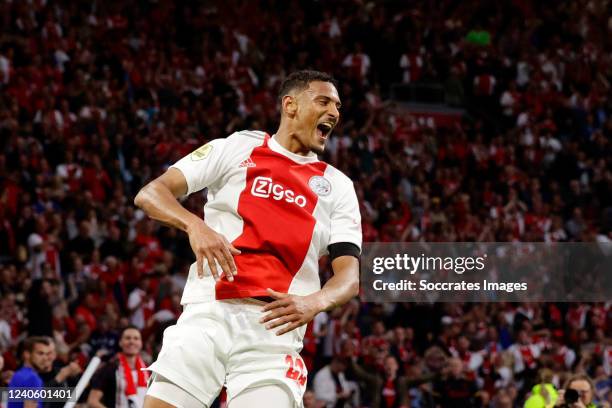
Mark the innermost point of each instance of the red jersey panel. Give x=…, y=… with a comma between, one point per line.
x=276, y=207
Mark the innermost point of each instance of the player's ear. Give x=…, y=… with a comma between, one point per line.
x=289, y=105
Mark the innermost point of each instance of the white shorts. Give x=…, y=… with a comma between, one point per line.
x=221, y=343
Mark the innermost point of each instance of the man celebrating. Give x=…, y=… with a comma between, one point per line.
x=55, y=375
x=272, y=210
x=122, y=382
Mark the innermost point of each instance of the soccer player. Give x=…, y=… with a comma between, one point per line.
x=273, y=209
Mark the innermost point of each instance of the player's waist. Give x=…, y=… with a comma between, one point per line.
x=266, y=299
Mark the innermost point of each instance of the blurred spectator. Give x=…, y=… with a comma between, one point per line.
x=54, y=374
x=104, y=338
x=544, y=393
x=39, y=308
x=394, y=388
x=140, y=304
x=578, y=392
x=310, y=401
x=456, y=389
x=121, y=382
x=35, y=360
x=331, y=386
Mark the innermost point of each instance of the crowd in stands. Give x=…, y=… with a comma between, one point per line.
x=97, y=98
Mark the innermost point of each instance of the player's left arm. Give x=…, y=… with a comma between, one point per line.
x=294, y=311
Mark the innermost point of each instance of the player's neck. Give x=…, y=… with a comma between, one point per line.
x=288, y=139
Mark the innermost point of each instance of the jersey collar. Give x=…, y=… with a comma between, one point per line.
x=276, y=147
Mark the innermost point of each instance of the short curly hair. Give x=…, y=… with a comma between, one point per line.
x=300, y=80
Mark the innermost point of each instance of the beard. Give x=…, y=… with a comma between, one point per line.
x=41, y=367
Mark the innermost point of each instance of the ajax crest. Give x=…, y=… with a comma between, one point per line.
x=320, y=185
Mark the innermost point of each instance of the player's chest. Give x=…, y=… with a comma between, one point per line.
x=277, y=184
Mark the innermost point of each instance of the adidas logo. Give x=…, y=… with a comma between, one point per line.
x=247, y=163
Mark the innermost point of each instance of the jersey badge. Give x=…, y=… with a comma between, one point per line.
x=201, y=152
x=320, y=185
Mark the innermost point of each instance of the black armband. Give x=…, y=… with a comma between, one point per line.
x=343, y=248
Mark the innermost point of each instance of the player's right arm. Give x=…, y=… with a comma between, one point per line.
x=158, y=199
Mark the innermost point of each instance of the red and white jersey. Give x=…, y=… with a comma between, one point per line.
x=525, y=356
x=484, y=85
x=472, y=360
x=280, y=209
x=412, y=65
x=565, y=356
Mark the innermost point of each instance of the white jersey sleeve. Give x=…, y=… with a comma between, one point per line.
x=205, y=166
x=345, y=217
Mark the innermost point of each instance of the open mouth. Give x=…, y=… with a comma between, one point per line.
x=324, y=129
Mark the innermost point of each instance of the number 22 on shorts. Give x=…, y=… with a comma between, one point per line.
x=296, y=370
